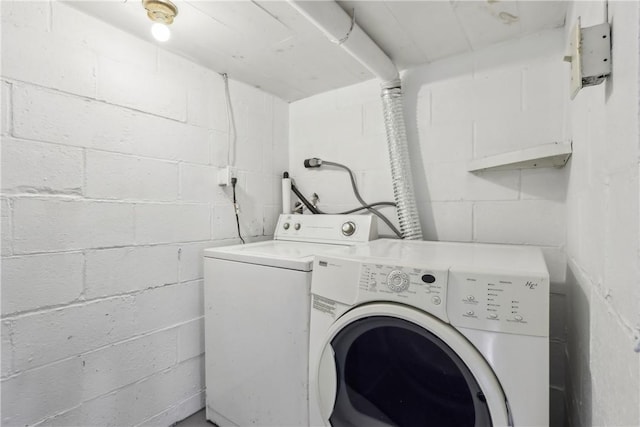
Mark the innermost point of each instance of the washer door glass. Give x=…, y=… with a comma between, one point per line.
x=391, y=372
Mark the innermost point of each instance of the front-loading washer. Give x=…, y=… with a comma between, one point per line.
x=414, y=333
x=257, y=299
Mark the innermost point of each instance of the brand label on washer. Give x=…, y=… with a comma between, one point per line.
x=325, y=305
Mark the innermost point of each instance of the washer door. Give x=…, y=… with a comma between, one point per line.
x=391, y=365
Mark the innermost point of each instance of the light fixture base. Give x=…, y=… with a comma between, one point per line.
x=162, y=11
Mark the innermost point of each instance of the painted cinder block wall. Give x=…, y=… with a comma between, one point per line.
x=110, y=149
x=498, y=99
x=603, y=275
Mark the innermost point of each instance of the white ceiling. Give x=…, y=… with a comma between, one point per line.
x=268, y=44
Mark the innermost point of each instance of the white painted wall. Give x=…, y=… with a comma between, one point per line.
x=110, y=148
x=603, y=375
x=499, y=99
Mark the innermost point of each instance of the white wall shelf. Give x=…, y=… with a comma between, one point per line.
x=541, y=156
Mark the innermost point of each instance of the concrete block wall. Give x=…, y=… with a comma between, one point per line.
x=603, y=317
x=504, y=98
x=110, y=150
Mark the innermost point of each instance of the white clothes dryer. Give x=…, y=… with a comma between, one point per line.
x=414, y=333
x=257, y=299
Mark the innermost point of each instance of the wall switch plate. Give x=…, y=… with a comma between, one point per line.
x=589, y=55
x=225, y=174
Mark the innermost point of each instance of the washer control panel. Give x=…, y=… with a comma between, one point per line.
x=425, y=289
x=499, y=302
x=338, y=229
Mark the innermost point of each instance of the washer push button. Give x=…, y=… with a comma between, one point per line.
x=428, y=278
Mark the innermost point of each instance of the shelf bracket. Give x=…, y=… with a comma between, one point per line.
x=541, y=156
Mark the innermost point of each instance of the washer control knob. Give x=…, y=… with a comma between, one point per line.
x=436, y=300
x=493, y=316
x=286, y=225
x=348, y=228
x=398, y=281
x=297, y=226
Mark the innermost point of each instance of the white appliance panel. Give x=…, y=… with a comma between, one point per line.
x=380, y=281
x=521, y=364
x=258, y=352
x=475, y=256
x=335, y=229
x=517, y=304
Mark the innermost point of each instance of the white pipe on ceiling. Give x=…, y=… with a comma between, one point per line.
x=342, y=30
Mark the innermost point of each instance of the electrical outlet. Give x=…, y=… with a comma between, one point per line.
x=225, y=174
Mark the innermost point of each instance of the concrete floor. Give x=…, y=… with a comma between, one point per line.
x=196, y=420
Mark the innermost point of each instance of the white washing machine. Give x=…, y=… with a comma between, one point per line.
x=414, y=333
x=257, y=319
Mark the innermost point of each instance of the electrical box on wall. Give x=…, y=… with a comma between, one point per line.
x=589, y=55
x=226, y=174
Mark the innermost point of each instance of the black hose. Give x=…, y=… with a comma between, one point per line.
x=235, y=207
x=304, y=200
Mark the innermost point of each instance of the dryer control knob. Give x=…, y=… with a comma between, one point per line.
x=286, y=225
x=398, y=281
x=297, y=226
x=348, y=228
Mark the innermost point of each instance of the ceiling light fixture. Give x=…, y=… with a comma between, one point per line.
x=161, y=12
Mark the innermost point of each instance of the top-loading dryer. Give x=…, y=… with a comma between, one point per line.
x=414, y=333
x=257, y=299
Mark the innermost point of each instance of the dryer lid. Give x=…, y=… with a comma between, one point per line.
x=273, y=253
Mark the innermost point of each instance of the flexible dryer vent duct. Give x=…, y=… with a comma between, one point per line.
x=399, y=158
x=342, y=29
